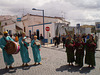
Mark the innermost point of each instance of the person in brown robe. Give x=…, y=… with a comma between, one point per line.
x=79, y=45
x=70, y=50
x=90, y=52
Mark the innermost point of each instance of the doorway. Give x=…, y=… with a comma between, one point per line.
x=30, y=33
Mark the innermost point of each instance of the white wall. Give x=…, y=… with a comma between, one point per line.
x=34, y=20
x=10, y=27
x=40, y=28
x=88, y=30
x=20, y=24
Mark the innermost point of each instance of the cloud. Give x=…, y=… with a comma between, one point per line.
x=91, y=4
x=76, y=11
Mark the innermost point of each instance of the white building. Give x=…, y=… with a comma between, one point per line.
x=2, y=18
x=34, y=23
x=12, y=25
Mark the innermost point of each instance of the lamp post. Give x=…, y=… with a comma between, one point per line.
x=43, y=21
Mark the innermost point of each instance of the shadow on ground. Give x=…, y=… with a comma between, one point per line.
x=55, y=48
x=74, y=69
x=4, y=71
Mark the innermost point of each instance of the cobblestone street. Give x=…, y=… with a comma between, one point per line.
x=54, y=62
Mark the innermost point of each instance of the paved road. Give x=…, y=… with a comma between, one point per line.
x=54, y=62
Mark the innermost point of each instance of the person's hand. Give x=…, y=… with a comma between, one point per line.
x=71, y=44
x=23, y=39
x=34, y=42
x=93, y=43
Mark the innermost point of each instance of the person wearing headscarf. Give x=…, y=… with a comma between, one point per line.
x=90, y=52
x=24, y=50
x=35, y=44
x=79, y=45
x=70, y=50
x=8, y=58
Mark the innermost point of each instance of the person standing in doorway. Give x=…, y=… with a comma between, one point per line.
x=41, y=39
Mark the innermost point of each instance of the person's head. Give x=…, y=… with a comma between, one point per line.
x=40, y=34
x=5, y=33
x=79, y=38
x=35, y=37
x=56, y=36
x=10, y=35
x=64, y=35
x=23, y=34
x=91, y=37
x=34, y=33
x=69, y=37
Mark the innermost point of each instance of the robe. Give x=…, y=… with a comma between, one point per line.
x=79, y=52
x=70, y=51
x=8, y=58
x=24, y=51
x=36, y=52
x=90, y=53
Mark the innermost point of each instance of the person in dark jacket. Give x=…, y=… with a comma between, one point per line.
x=64, y=40
x=56, y=41
x=41, y=39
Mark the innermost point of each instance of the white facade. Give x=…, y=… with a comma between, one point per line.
x=10, y=25
x=85, y=30
x=40, y=28
x=10, y=28
x=37, y=22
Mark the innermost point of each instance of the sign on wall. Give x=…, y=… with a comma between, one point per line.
x=18, y=19
x=78, y=26
x=47, y=28
x=97, y=24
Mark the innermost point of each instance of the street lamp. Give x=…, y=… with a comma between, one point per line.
x=43, y=20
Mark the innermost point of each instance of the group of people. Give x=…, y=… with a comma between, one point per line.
x=8, y=58
x=77, y=48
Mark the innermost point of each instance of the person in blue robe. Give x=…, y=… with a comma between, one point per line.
x=24, y=50
x=36, y=51
x=8, y=58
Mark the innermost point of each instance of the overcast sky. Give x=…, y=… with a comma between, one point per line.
x=75, y=11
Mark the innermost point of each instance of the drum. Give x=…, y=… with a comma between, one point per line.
x=12, y=47
x=37, y=42
x=28, y=40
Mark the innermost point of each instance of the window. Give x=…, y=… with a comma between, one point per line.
x=24, y=29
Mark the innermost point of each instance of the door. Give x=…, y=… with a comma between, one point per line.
x=30, y=33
